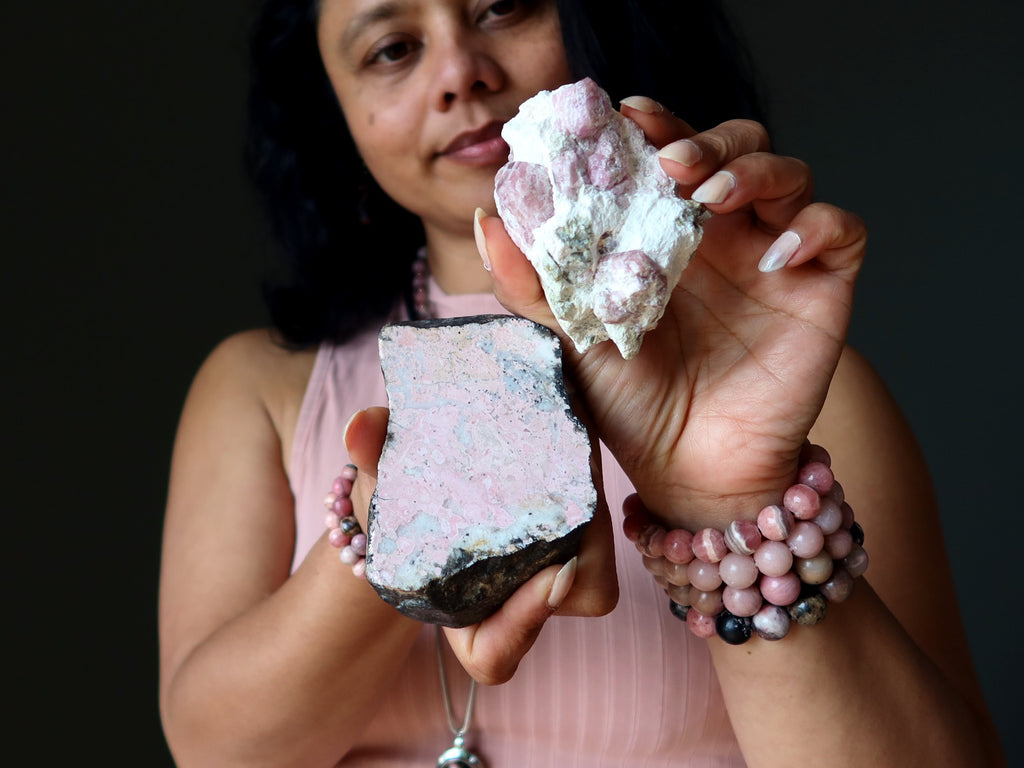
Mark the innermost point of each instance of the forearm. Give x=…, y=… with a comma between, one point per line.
x=852, y=690
x=293, y=678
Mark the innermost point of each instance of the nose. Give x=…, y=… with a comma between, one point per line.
x=464, y=70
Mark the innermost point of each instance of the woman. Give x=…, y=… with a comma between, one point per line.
x=273, y=653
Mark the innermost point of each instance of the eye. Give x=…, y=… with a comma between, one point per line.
x=502, y=8
x=391, y=51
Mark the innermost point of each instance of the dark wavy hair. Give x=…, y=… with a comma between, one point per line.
x=348, y=247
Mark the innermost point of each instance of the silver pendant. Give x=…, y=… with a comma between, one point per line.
x=459, y=757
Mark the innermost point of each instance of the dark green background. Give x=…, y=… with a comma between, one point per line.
x=131, y=245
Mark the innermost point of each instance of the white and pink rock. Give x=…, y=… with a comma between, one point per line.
x=585, y=198
x=485, y=476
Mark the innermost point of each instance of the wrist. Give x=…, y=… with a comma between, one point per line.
x=763, y=569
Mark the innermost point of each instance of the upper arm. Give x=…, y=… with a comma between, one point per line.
x=885, y=478
x=229, y=524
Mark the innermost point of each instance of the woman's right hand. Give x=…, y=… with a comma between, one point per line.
x=492, y=649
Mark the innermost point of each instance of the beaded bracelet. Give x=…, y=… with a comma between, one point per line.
x=344, y=531
x=758, y=577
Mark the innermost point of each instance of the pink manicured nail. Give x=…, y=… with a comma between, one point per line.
x=481, y=241
x=715, y=189
x=684, y=152
x=562, y=584
x=780, y=252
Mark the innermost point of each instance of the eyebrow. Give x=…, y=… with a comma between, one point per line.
x=380, y=12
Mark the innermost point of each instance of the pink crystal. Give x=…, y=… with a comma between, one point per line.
x=586, y=199
x=780, y=590
x=709, y=545
x=741, y=602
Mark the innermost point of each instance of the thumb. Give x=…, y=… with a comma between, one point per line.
x=516, y=283
x=491, y=650
x=364, y=437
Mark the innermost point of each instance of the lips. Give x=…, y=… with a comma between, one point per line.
x=482, y=146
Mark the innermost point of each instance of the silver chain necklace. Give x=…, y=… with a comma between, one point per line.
x=456, y=756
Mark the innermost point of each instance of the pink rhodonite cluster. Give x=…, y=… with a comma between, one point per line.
x=584, y=197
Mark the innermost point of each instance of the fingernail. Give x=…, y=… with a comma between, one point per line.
x=481, y=241
x=642, y=104
x=344, y=432
x=780, y=252
x=562, y=584
x=684, y=152
x=715, y=189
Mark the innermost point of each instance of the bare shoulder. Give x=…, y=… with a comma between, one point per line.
x=253, y=369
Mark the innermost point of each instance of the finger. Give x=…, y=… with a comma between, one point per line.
x=692, y=160
x=658, y=124
x=516, y=283
x=778, y=188
x=835, y=237
x=364, y=437
x=492, y=650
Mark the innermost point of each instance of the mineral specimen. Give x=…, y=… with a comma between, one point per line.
x=585, y=198
x=485, y=475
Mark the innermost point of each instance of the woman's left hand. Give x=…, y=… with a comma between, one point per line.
x=708, y=419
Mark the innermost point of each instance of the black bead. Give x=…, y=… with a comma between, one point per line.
x=679, y=611
x=808, y=610
x=735, y=630
x=857, y=533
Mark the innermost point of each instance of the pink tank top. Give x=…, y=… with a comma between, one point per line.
x=630, y=688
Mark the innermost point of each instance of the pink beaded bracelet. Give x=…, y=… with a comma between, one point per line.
x=344, y=531
x=758, y=577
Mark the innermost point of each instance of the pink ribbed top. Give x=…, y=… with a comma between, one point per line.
x=633, y=687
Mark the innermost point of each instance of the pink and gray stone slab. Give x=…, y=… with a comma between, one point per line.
x=584, y=196
x=485, y=477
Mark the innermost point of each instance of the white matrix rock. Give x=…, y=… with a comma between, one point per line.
x=585, y=198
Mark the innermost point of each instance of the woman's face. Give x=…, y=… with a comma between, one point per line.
x=425, y=86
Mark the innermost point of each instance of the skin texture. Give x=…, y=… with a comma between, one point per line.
x=263, y=667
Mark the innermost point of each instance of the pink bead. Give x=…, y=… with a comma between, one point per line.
x=709, y=545
x=650, y=540
x=678, y=546
x=775, y=523
x=813, y=570
x=742, y=602
x=830, y=518
x=738, y=571
x=338, y=538
x=634, y=525
x=742, y=537
x=708, y=603
x=359, y=569
x=348, y=555
x=856, y=562
x=675, y=573
x=342, y=506
x=847, y=511
x=632, y=505
x=341, y=486
x=654, y=565
x=839, y=587
x=680, y=593
x=771, y=622
x=839, y=544
x=358, y=544
x=837, y=492
x=349, y=472
x=812, y=452
x=780, y=590
x=329, y=499
x=700, y=624
x=773, y=558
x=816, y=475
x=704, y=576
x=806, y=540
x=802, y=501
x=331, y=520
